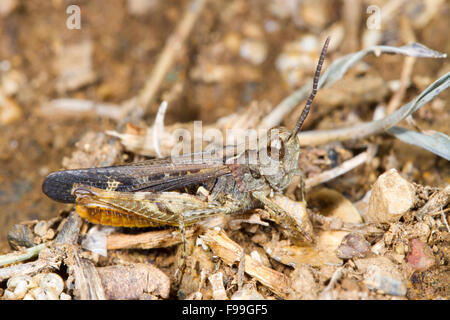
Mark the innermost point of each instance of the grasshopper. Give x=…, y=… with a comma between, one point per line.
x=180, y=192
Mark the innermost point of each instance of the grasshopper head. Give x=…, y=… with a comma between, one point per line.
x=279, y=158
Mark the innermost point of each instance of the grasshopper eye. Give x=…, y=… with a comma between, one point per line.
x=276, y=149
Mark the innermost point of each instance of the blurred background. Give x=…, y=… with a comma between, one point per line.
x=237, y=52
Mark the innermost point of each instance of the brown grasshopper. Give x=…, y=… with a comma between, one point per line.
x=166, y=192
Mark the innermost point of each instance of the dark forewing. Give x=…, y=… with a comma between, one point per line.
x=152, y=175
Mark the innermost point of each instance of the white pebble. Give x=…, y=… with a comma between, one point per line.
x=51, y=281
x=392, y=196
x=254, y=51
x=19, y=286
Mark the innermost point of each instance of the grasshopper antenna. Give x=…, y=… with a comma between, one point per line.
x=305, y=111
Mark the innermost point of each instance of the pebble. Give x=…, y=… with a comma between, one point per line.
x=18, y=286
x=50, y=281
x=297, y=58
x=383, y=281
x=43, y=286
x=141, y=7
x=382, y=274
x=7, y=6
x=41, y=228
x=392, y=196
x=420, y=257
x=21, y=235
x=10, y=111
x=353, y=245
x=254, y=51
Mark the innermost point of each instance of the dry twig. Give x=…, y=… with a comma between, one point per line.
x=171, y=49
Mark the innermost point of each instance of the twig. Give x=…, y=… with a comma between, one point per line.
x=241, y=269
x=136, y=106
x=218, y=289
x=408, y=64
x=148, y=240
x=80, y=108
x=331, y=174
x=396, y=99
x=88, y=285
x=444, y=220
x=171, y=49
x=352, y=10
x=70, y=230
x=343, y=168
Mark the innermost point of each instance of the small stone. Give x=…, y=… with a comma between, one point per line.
x=7, y=6
x=392, y=196
x=50, y=281
x=382, y=274
x=232, y=41
x=12, y=81
x=18, y=286
x=41, y=228
x=49, y=235
x=21, y=235
x=375, y=278
x=254, y=51
x=10, y=110
x=141, y=7
x=349, y=285
x=353, y=245
x=420, y=256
